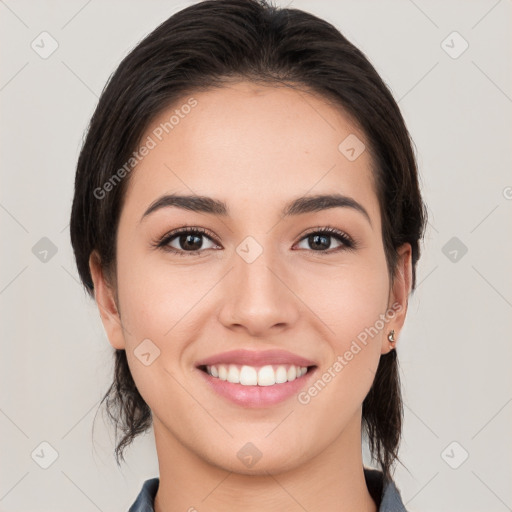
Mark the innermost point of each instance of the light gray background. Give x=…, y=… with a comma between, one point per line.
x=456, y=348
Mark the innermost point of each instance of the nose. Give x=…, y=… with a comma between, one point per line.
x=258, y=296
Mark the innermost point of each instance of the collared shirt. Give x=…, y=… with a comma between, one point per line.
x=386, y=495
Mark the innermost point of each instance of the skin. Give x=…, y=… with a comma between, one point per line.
x=254, y=147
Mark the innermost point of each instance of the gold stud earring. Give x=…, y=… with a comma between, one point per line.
x=391, y=336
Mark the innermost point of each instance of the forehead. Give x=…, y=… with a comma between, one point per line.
x=252, y=146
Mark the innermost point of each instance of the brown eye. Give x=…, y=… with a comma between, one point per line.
x=185, y=242
x=321, y=240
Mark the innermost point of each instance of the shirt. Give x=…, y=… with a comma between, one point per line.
x=386, y=495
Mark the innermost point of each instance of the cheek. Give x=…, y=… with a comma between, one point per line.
x=348, y=298
x=353, y=309
x=360, y=303
x=156, y=323
x=352, y=302
x=155, y=294
x=160, y=303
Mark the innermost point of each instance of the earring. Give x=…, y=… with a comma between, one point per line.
x=391, y=336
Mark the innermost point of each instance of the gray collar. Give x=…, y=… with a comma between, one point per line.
x=385, y=494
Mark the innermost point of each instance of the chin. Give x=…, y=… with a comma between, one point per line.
x=249, y=460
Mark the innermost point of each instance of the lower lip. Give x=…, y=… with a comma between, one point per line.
x=257, y=396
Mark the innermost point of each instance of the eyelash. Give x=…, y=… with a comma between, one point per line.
x=162, y=243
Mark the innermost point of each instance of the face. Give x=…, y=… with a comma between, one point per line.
x=254, y=295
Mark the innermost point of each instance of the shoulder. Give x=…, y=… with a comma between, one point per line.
x=146, y=497
x=384, y=492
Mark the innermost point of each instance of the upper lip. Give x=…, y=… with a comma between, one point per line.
x=256, y=358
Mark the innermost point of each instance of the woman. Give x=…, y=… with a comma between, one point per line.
x=247, y=217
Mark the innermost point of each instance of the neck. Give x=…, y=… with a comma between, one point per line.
x=332, y=480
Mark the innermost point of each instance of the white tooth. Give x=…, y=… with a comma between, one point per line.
x=266, y=376
x=233, y=374
x=223, y=372
x=281, y=375
x=292, y=373
x=248, y=376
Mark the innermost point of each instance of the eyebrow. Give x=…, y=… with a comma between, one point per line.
x=298, y=206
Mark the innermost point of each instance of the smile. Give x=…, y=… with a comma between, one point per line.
x=256, y=378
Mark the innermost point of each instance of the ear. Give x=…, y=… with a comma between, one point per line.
x=398, y=296
x=105, y=300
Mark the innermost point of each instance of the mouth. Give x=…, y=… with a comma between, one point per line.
x=253, y=387
x=256, y=379
x=267, y=375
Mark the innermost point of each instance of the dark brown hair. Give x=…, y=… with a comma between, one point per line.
x=201, y=47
